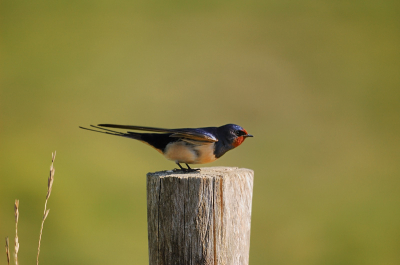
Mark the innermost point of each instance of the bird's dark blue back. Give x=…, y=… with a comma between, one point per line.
x=160, y=140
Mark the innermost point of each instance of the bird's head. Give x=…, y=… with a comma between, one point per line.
x=233, y=134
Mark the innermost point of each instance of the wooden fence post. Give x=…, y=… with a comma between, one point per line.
x=200, y=217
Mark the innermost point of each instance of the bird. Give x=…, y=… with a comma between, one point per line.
x=185, y=145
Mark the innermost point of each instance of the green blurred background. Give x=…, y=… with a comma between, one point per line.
x=316, y=82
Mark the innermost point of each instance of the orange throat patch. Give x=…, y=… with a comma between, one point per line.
x=238, y=141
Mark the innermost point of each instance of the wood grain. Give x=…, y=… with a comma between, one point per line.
x=200, y=217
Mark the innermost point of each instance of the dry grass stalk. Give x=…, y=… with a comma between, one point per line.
x=16, y=245
x=7, y=251
x=46, y=211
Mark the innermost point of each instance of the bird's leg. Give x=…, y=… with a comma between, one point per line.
x=190, y=169
x=182, y=168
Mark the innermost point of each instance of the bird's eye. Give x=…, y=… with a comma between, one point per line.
x=239, y=133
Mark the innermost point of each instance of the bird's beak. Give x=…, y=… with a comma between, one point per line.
x=248, y=135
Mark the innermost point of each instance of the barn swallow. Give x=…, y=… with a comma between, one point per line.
x=187, y=145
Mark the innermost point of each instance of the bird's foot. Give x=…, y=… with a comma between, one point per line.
x=193, y=170
x=186, y=170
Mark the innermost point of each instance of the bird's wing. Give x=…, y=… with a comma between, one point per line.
x=193, y=134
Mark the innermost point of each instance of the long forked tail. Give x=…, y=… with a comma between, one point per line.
x=131, y=135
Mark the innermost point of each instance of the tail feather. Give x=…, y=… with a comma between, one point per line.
x=114, y=132
x=157, y=140
x=131, y=135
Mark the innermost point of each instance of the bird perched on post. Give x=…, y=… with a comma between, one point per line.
x=188, y=145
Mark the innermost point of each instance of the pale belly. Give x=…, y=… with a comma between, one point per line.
x=183, y=152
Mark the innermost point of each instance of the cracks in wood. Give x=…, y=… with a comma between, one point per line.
x=214, y=224
x=214, y=208
x=158, y=220
x=184, y=218
x=221, y=194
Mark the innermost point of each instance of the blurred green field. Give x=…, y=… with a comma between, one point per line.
x=317, y=83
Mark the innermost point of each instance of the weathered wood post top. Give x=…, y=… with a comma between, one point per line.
x=200, y=217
